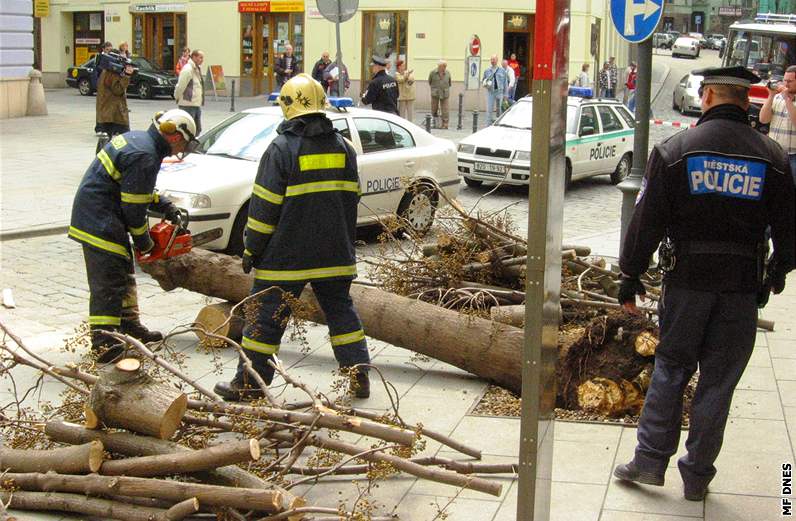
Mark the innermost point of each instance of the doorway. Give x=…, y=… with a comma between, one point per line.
x=264, y=37
x=518, y=40
x=160, y=38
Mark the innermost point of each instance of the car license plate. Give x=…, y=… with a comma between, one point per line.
x=490, y=168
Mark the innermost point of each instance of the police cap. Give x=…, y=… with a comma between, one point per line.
x=738, y=76
x=378, y=60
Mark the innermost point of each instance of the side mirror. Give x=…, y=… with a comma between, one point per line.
x=586, y=131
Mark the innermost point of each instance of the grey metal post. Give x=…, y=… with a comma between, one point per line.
x=630, y=186
x=340, y=80
x=232, y=98
x=475, y=121
x=461, y=109
x=428, y=123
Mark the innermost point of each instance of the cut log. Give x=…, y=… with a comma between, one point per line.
x=610, y=398
x=125, y=396
x=80, y=504
x=211, y=318
x=80, y=459
x=646, y=343
x=182, y=510
x=511, y=315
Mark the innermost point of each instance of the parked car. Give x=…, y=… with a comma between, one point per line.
x=599, y=140
x=714, y=41
x=685, y=97
x=146, y=83
x=400, y=166
x=662, y=41
x=699, y=37
x=685, y=46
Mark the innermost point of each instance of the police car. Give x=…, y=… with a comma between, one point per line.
x=599, y=138
x=399, y=166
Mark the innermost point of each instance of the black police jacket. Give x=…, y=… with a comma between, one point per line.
x=721, y=182
x=303, y=210
x=116, y=191
x=382, y=93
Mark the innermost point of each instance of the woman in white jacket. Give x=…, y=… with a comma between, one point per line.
x=190, y=92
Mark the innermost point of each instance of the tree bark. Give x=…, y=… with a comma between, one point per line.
x=211, y=317
x=126, y=397
x=80, y=459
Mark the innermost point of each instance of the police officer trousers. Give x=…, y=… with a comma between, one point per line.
x=112, y=286
x=261, y=339
x=715, y=332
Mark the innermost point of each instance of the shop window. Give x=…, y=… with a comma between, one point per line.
x=88, y=28
x=384, y=35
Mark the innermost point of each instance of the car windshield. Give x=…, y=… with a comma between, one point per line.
x=242, y=136
x=694, y=81
x=518, y=115
x=143, y=64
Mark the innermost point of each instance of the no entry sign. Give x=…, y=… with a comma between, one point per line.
x=475, y=45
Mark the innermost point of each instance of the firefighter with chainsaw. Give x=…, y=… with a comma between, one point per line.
x=301, y=229
x=110, y=207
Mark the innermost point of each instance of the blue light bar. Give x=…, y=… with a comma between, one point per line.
x=580, y=92
x=340, y=103
x=273, y=97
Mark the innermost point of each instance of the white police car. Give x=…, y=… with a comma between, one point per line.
x=395, y=157
x=599, y=138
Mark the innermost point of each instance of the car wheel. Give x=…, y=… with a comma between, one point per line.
x=144, y=90
x=417, y=209
x=674, y=55
x=568, y=176
x=622, y=169
x=235, y=245
x=473, y=183
x=84, y=87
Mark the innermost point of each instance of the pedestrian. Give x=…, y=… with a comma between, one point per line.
x=331, y=77
x=606, y=85
x=382, y=91
x=106, y=48
x=286, y=66
x=110, y=206
x=320, y=66
x=190, y=90
x=779, y=112
x=113, y=117
x=406, y=91
x=186, y=55
x=301, y=229
x=124, y=50
x=494, y=81
x=439, y=82
x=510, y=84
x=583, y=79
x=515, y=66
x=630, y=87
x=711, y=192
x=614, y=74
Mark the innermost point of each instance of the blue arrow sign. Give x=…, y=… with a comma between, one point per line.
x=636, y=21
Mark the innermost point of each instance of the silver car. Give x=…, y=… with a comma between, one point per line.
x=685, y=46
x=685, y=97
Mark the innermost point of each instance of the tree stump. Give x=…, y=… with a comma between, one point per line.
x=126, y=397
x=211, y=317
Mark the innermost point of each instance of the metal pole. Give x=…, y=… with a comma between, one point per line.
x=428, y=123
x=475, y=121
x=232, y=98
x=340, y=80
x=631, y=185
x=461, y=109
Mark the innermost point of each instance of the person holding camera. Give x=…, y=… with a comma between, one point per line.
x=190, y=89
x=779, y=111
x=112, y=113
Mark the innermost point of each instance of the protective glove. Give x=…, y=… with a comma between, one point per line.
x=174, y=215
x=629, y=287
x=247, y=262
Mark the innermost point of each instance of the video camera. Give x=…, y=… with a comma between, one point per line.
x=115, y=63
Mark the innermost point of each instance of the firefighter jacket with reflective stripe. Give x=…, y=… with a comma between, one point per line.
x=721, y=182
x=116, y=191
x=303, y=209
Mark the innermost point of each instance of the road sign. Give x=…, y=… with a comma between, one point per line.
x=475, y=45
x=635, y=22
x=472, y=76
x=338, y=10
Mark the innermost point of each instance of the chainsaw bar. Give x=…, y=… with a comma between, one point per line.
x=205, y=237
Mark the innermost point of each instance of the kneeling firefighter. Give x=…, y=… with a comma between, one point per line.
x=301, y=229
x=111, y=206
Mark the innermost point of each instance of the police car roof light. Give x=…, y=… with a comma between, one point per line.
x=340, y=103
x=273, y=97
x=581, y=92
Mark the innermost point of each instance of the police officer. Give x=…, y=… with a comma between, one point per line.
x=301, y=229
x=110, y=206
x=382, y=91
x=711, y=191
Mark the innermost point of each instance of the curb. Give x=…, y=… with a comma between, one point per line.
x=29, y=233
x=665, y=76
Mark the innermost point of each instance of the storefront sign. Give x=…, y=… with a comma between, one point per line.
x=287, y=7
x=157, y=8
x=730, y=11
x=87, y=41
x=41, y=8
x=254, y=7
x=314, y=12
x=272, y=6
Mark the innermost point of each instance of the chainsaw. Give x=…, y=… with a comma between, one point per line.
x=172, y=240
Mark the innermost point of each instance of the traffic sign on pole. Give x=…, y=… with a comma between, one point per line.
x=635, y=22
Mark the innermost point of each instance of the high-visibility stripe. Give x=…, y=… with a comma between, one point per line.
x=136, y=198
x=315, y=273
x=141, y=230
x=322, y=186
x=246, y=251
x=156, y=198
x=321, y=161
x=260, y=347
x=109, y=166
x=268, y=195
x=102, y=244
x=348, y=338
x=260, y=226
x=101, y=320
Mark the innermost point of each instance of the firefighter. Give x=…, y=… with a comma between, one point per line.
x=382, y=91
x=301, y=229
x=711, y=191
x=111, y=206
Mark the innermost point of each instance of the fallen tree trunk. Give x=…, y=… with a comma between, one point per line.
x=80, y=504
x=80, y=459
x=479, y=346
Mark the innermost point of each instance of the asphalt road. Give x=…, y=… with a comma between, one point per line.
x=679, y=67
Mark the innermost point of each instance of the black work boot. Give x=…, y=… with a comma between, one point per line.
x=240, y=389
x=360, y=383
x=694, y=492
x=136, y=329
x=630, y=472
x=105, y=347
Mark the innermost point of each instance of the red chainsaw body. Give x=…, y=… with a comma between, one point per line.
x=162, y=234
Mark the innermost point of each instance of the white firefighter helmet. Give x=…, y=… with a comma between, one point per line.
x=302, y=95
x=176, y=120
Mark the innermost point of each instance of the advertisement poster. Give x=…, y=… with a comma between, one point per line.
x=216, y=73
x=95, y=21
x=81, y=55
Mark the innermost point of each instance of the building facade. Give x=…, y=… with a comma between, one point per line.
x=244, y=37
x=16, y=56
